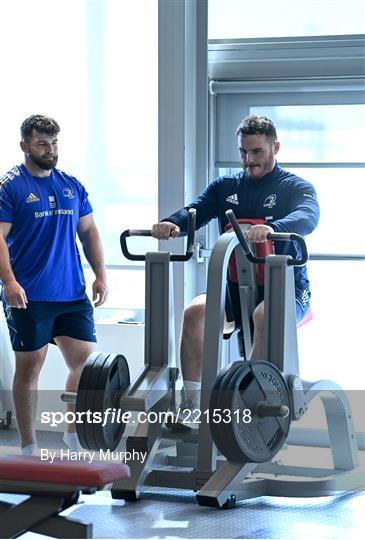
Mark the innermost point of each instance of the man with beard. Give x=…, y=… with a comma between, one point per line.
x=263, y=190
x=42, y=209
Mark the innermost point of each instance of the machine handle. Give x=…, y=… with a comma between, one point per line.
x=291, y=237
x=143, y=232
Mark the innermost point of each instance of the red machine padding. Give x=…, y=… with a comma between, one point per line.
x=261, y=249
x=75, y=473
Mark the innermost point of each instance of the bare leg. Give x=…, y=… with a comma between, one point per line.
x=25, y=392
x=258, y=333
x=192, y=338
x=75, y=353
x=192, y=335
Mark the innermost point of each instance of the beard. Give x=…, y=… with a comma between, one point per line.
x=258, y=170
x=45, y=163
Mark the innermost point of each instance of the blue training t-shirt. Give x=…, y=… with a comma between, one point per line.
x=44, y=213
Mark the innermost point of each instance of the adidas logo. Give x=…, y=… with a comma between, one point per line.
x=32, y=198
x=233, y=199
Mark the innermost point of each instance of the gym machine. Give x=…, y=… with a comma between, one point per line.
x=273, y=393
x=224, y=462
x=5, y=415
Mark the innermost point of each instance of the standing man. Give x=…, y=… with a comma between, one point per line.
x=42, y=209
x=263, y=190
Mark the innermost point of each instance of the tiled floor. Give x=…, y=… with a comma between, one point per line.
x=177, y=515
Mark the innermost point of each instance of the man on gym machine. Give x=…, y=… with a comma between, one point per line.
x=263, y=190
x=42, y=209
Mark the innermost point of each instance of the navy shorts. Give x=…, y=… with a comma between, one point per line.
x=32, y=328
x=233, y=307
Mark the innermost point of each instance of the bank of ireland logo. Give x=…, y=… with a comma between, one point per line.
x=52, y=201
x=270, y=201
x=67, y=192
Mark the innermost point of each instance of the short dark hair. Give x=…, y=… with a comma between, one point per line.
x=257, y=125
x=41, y=123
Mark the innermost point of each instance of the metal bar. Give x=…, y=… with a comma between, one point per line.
x=159, y=314
x=317, y=438
x=288, y=85
x=226, y=480
x=300, y=165
x=212, y=351
x=280, y=347
x=22, y=517
x=205, y=253
x=63, y=527
x=341, y=429
x=69, y=397
x=119, y=266
x=288, y=42
x=336, y=257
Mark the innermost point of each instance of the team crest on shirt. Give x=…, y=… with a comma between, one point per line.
x=270, y=201
x=32, y=198
x=67, y=192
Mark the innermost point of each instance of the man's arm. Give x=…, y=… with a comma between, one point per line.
x=92, y=247
x=14, y=294
x=206, y=206
x=304, y=212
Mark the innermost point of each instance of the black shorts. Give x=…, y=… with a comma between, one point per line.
x=32, y=328
x=233, y=307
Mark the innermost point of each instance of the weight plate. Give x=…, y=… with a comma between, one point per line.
x=81, y=397
x=225, y=398
x=218, y=401
x=93, y=381
x=113, y=380
x=106, y=377
x=244, y=387
x=276, y=391
x=261, y=438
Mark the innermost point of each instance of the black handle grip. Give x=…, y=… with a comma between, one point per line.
x=143, y=232
x=291, y=237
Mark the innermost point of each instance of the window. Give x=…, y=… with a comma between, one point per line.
x=323, y=144
x=242, y=19
x=93, y=67
x=327, y=136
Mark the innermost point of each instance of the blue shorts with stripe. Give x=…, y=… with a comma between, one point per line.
x=32, y=328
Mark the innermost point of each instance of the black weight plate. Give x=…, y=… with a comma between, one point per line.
x=113, y=380
x=215, y=400
x=243, y=387
x=247, y=444
x=276, y=390
x=81, y=397
x=93, y=382
x=229, y=383
x=261, y=439
x=219, y=399
x=119, y=382
x=228, y=443
x=225, y=400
